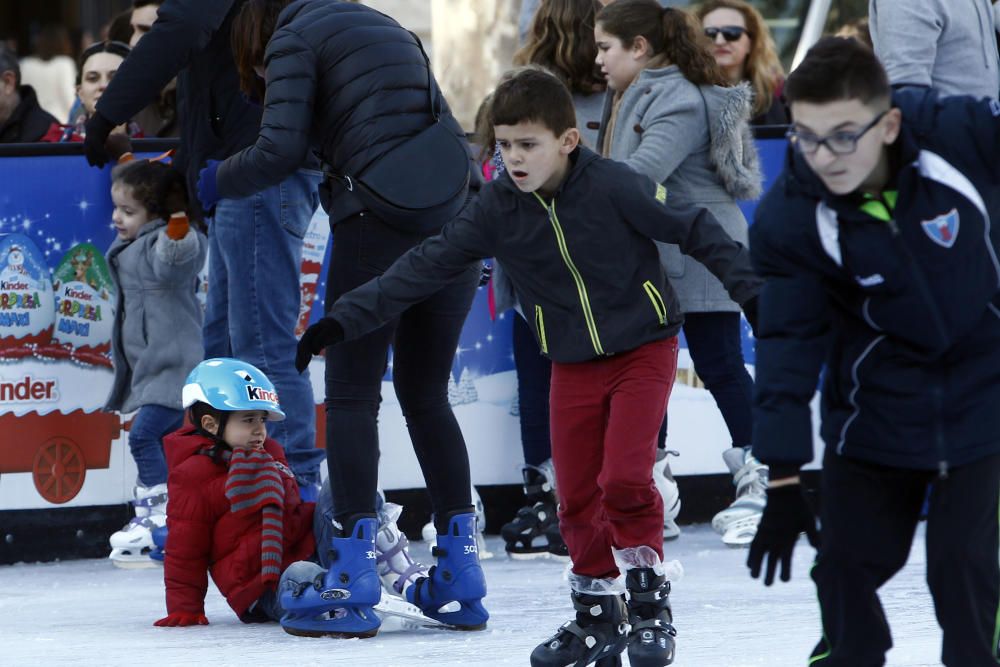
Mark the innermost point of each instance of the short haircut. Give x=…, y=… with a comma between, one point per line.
x=533, y=95
x=8, y=63
x=838, y=68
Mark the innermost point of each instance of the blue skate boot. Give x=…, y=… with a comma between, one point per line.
x=159, y=550
x=336, y=602
x=454, y=589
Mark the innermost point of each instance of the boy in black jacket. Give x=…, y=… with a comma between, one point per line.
x=573, y=231
x=880, y=262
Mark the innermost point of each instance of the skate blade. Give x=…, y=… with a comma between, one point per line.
x=144, y=563
x=299, y=632
x=407, y=615
x=529, y=555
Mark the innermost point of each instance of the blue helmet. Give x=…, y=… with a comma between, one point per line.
x=229, y=385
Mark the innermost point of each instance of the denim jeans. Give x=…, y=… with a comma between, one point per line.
x=534, y=373
x=424, y=339
x=254, y=263
x=145, y=440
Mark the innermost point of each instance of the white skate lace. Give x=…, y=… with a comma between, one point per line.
x=391, y=551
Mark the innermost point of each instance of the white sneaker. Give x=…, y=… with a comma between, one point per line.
x=665, y=484
x=396, y=568
x=130, y=546
x=429, y=533
x=738, y=523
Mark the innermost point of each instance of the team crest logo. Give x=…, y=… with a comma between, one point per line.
x=943, y=229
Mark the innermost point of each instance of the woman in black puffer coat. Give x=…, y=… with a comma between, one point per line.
x=351, y=84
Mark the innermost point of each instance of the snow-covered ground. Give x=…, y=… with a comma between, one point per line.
x=88, y=613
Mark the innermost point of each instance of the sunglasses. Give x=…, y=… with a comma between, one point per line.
x=730, y=33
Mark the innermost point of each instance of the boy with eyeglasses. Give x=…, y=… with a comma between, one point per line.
x=880, y=263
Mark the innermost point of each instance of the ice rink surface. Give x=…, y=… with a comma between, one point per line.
x=89, y=613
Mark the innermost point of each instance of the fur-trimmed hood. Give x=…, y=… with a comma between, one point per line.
x=733, y=152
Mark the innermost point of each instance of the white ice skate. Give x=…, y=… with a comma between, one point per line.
x=395, y=566
x=738, y=523
x=429, y=533
x=667, y=487
x=131, y=545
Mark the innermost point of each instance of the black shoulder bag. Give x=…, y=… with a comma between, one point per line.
x=422, y=183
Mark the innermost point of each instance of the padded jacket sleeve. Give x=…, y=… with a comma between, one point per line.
x=283, y=143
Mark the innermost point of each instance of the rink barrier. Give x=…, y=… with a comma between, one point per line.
x=63, y=489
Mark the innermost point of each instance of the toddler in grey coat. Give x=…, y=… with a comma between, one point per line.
x=156, y=339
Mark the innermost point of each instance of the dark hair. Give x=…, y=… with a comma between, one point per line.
x=838, y=68
x=159, y=187
x=561, y=39
x=115, y=48
x=8, y=63
x=51, y=41
x=533, y=95
x=120, y=28
x=669, y=31
x=251, y=31
x=198, y=410
x=136, y=4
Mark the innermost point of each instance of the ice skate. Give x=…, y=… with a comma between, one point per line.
x=598, y=633
x=738, y=523
x=159, y=551
x=131, y=546
x=337, y=602
x=527, y=536
x=651, y=636
x=428, y=533
x=557, y=548
x=396, y=568
x=454, y=589
x=667, y=486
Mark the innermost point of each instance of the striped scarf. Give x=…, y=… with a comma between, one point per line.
x=254, y=483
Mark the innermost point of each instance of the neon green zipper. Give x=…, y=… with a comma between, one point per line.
x=581, y=289
x=654, y=296
x=540, y=327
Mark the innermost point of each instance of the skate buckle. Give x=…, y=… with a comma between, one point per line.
x=335, y=594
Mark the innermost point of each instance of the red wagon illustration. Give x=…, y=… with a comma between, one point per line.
x=57, y=448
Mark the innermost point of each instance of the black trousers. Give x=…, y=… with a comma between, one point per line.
x=869, y=516
x=423, y=340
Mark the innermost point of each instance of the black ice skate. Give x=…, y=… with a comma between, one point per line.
x=651, y=639
x=528, y=535
x=597, y=635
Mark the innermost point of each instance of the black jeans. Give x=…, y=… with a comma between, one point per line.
x=534, y=374
x=869, y=515
x=424, y=340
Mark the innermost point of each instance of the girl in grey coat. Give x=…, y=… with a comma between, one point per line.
x=670, y=119
x=156, y=339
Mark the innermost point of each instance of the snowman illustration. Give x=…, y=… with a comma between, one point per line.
x=14, y=274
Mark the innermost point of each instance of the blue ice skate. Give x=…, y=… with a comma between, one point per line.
x=456, y=581
x=159, y=550
x=337, y=602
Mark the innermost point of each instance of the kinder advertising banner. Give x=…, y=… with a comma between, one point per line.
x=56, y=312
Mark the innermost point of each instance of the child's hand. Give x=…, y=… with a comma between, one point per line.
x=177, y=619
x=324, y=333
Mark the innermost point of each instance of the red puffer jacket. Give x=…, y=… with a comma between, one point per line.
x=205, y=537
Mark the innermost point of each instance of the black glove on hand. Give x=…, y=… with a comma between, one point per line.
x=324, y=333
x=97, y=130
x=786, y=514
x=750, y=312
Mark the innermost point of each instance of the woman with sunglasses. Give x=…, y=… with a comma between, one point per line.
x=674, y=118
x=743, y=48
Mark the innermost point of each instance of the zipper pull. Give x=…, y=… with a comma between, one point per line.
x=942, y=470
x=893, y=227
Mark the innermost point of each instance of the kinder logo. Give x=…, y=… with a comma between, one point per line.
x=28, y=389
x=260, y=394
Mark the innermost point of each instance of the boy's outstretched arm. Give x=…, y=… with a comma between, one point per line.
x=647, y=207
x=416, y=275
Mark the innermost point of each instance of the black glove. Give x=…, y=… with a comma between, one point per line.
x=324, y=333
x=750, y=312
x=97, y=130
x=786, y=515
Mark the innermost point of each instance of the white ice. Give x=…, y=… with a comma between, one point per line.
x=87, y=612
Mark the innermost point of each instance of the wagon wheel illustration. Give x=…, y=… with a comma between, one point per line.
x=58, y=470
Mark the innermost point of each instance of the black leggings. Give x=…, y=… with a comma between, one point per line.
x=424, y=340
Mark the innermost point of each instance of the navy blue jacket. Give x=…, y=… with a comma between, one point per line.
x=189, y=40
x=582, y=264
x=343, y=80
x=898, y=297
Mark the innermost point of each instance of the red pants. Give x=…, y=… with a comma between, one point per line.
x=605, y=415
